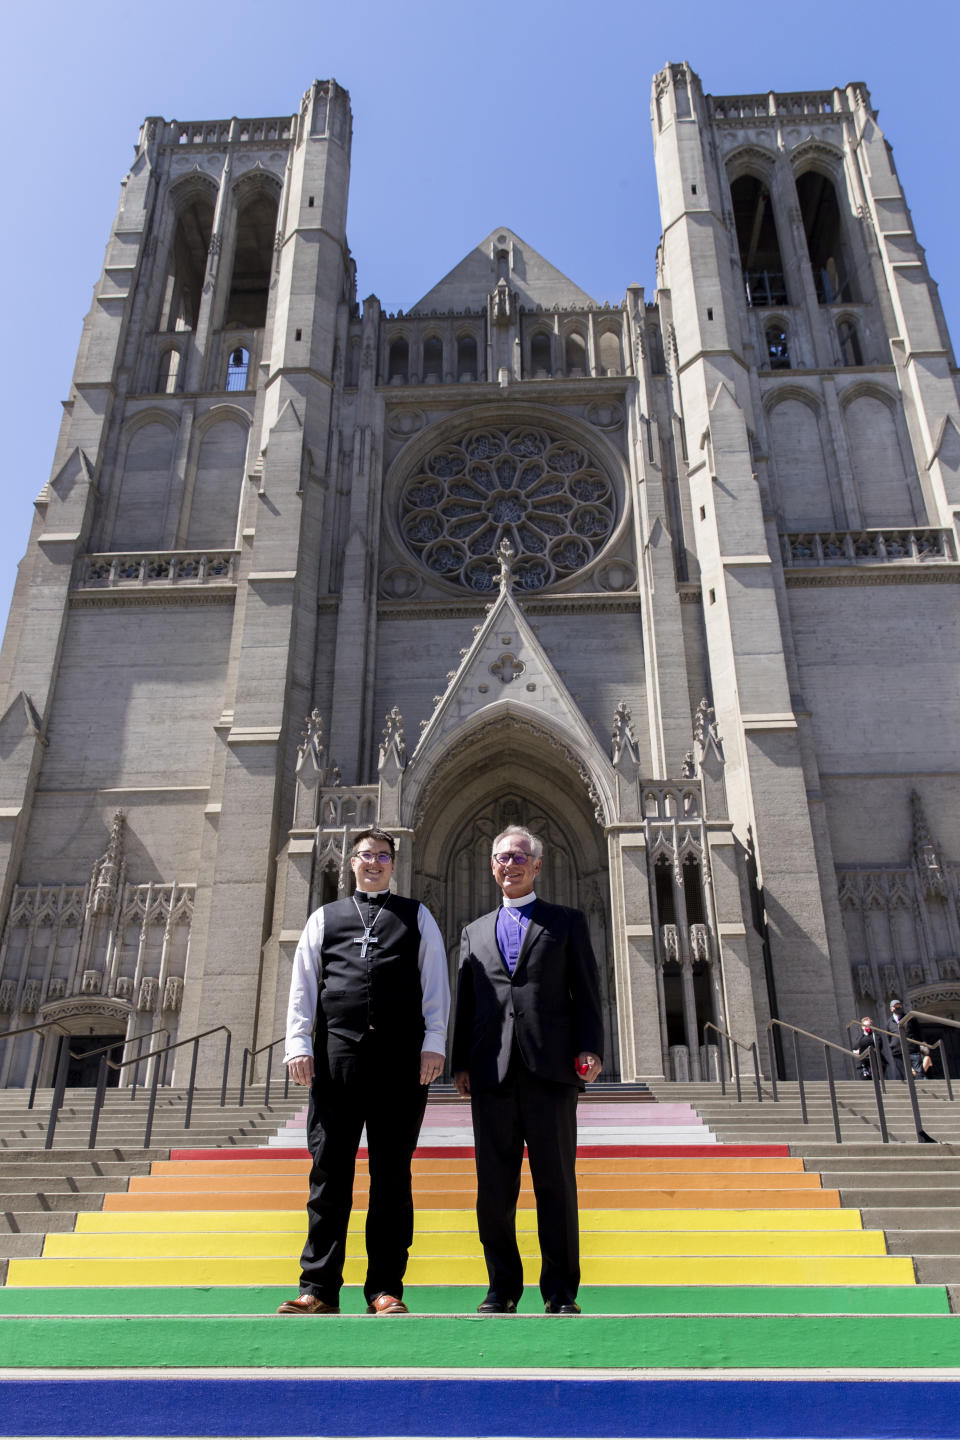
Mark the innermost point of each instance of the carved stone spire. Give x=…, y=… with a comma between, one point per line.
x=705, y=724
x=393, y=746
x=708, y=761
x=926, y=856
x=107, y=870
x=310, y=749
x=507, y=556
x=311, y=774
x=623, y=742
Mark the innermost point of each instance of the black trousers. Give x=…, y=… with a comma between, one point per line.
x=372, y=1082
x=543, y=1114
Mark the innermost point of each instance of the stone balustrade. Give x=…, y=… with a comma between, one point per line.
x=764, y=107
x=176, y=567
x=867, y=547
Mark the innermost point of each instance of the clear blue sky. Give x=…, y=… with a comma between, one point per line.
x=527, y=113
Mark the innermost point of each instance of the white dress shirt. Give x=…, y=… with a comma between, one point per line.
x=305, y=986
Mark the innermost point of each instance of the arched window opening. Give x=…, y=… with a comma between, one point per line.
x=850, y=352
x=353, y=362
x=252, y=262
x=398, y=366
x=608, y=354
x=658, y=364
x=216, y=487
x=237, y=369
x=663, y=879
x=693, y=893
x=168, y=377
x=575, y=356
x=823, y=227
x=778, y=346
x=432, y=361
x=187, y=265
x=540, y=361
x=329, y=885
x=466, y=358
x=757, y=241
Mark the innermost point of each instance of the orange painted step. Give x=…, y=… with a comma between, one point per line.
x=686, y=1198
x=268, y=1184
x=626, y=1165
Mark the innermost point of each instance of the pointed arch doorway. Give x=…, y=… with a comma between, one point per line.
x=511, y=775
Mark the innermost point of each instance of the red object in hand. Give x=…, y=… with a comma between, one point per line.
x=582, y=1067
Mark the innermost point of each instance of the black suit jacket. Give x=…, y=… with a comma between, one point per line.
x=550, y=1005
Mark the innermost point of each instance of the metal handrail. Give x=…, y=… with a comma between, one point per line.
x=251, y=1055
x=737, y=1045
x=35, y=1030
x=828, y=1045
x=193, y=1040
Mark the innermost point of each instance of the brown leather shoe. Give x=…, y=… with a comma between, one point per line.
x=307, y=1304
x=387, y=1305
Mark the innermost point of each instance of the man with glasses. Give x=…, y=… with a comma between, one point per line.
x=528, y=1028
x=366, y=1030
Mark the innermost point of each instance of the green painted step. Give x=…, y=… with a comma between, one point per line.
x=459, y=1299
x=475, y=1342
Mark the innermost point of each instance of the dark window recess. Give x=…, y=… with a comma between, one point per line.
x=540, y=362
x=433, y=360
x=826, y=246
x=758, y=243
x=663, y=880
x=252, y=262
x=850, y=352
x=187, y=265
x=310, y=203
x=710, y=314
x=298, y=335
x=778, y=348
x=466, y=358
x=693, y=893
x=398, y=362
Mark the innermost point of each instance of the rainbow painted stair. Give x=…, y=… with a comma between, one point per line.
x=726, y=1293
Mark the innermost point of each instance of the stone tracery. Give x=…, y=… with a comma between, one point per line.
x=542, y=493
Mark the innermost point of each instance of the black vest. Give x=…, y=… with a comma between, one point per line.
x=378, y=992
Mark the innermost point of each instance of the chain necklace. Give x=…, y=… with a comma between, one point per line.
x=368, y=938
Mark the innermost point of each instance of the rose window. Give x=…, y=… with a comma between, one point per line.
x=543, y=494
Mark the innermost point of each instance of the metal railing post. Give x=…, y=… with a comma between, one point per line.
x=946, y=1068
x=828, y=1064
x=226, y=1067
x=136, y=1068
x=266, y=1087
x=878, y=1092
x=756, y=1070
x=800, y=1088
x=151, y=1106
x=98, y=1100
x=912, y=1089
x=36, y=1080
x=58, y=1089
x=736, y=1072
x=243, y=1076
x=773, y=1065
x=286, y=1081
x=193, y=1077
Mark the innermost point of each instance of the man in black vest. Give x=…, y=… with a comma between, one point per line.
x=528, y=1027
x=366, y=1030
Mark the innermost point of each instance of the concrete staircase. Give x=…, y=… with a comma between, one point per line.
x=731, y=1288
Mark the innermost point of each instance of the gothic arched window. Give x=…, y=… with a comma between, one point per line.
x=467, y=358
x=758, y=243
x=252, y=261
x=398, y=362
x=432, y=360
x=238, y=367
x=850, y=352
x=826, y=246
x=540, y=358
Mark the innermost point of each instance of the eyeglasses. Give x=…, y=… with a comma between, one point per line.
x=517, y=856
x=369, y=857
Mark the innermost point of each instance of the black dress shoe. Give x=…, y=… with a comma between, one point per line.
x=568, y=1307
x=493, y=1305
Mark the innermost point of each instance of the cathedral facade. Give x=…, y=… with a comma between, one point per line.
x=672, y=582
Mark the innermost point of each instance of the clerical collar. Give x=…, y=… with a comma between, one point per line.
x=372, y=896
x=521, y=902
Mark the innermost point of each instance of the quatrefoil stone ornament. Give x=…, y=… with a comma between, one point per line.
x=507, y=668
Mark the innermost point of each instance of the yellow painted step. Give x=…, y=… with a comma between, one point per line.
x=461, y=1243
x=817, y=1220
x=696, y=1270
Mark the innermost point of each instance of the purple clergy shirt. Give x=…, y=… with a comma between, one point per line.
x=512, y=922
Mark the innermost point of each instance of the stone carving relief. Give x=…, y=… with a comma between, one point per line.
x=605, y=414
x=541, y=492
x=30, y=999
x=400, y=583
x=90, y=984
x=172, y=993
x=147, y=999
x=8, y=996
x=404, y=423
